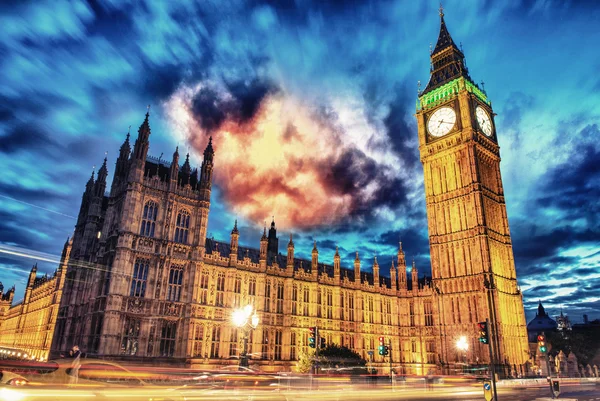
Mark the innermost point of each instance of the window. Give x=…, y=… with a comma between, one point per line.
x=237, y=289
x=294, y=299
x=149, y=219
x=220, y=288
x=167, y=339
x=351, y=307
x=329, y=304
x=267, y=296
x=279, y=297
x=182, y=227
x=175, y=280
x=319, y=303
x=216, y=338
x=292, y=346
x=277, y=353
x=252, y=286
x=233, y=338
x=265, y=344
x=204, y=288
x=411, y=312
x=429, y=314
x=131, y=332
x=140, y=276
x=198, y=337
x=342, y=306
x=306, y=301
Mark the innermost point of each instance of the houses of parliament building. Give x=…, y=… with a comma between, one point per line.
x=140, y=280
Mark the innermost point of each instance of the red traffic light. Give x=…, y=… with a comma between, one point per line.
x=482, y=326
x=382, y=339
x=541, y=338
x=312, y=330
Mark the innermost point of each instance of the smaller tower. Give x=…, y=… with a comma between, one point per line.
x=273, y=242
x=263, y=245
x=235, y=235
x=121, y=166
x=290, y=253
x=207, y=166
x=401, y=268
x=100, y=185
x=375, y=272
x=357, y=269
x=336, y=264
x=314, y=266
x=174, y=169
x=414, y=277
x=186, y=171
x=393, y=279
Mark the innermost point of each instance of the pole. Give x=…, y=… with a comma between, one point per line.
x=549, y=371
x=244, y=356
x=492, y=364
x=391, y=374
x=317, y=346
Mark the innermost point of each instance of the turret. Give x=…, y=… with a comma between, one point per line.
x=290, y=253
x=263, y=245
x=235, y=235
x=174, y=169
x=186, y=171
x=207, y=166
x=393, y=278
x=142, y=143
x=314, y=265
x=401, y=268
x=100, y=185
x=357, y=269
x=121, y=165
x=336, y=264
x=375, y=272
x=415, y=277
x=273, y=244
x=32, y=275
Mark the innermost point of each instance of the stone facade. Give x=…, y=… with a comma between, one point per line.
x=28, y=326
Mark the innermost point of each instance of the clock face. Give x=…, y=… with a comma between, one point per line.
x=441, y=121
x=484, y=121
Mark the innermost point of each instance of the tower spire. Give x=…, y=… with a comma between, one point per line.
x=448, y=61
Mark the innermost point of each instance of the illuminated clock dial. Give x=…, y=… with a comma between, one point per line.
x=483, y=120
x=441, y=121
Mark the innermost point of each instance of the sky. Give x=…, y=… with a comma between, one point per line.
x=311, y=108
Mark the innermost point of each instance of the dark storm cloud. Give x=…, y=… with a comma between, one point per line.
x=211, y=108
x=402, y=134
x=25, y=137
x=351, y=172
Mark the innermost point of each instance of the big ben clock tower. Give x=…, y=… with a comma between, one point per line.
x=473, y=270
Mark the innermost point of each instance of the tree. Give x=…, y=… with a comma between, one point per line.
x=334, y=356
x=305, y=361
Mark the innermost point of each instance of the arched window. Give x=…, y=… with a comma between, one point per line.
x=175, y=280
x=182, y=227
x=140, y=277
x=149, y=219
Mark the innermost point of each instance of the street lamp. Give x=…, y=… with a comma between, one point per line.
x=463, y=345
x=245, y=319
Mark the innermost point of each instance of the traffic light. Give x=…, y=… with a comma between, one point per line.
x=542, y=343
x=382, y=347
x=312, y=337
x=483, y=332
x=386, y=350
x=322, y=342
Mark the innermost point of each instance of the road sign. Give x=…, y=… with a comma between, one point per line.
x=487, y=390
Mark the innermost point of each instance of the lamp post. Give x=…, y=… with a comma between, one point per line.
x=246, y=320
x=463, y=345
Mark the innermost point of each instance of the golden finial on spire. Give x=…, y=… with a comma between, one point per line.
x=441, y=10
x=128, y=130
x=148, y=110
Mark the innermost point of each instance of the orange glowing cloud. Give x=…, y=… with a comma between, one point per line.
x=300, y=163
